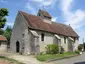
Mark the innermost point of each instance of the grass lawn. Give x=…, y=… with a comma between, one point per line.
x=9, y=60
x=45, y=57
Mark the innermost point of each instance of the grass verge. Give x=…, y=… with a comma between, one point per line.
x=47, y=57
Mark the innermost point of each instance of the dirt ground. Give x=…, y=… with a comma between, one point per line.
x=4, y=61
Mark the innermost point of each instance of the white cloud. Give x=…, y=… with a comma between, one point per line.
x=75, y=19
x=54, y=19
x=66, y=5
x=43, y=2
x=31, y=8
x=33, y=4
x=10, y=23
x=37, y=0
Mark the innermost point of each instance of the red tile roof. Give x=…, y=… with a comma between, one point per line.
x=2, y=38
x=35, y=22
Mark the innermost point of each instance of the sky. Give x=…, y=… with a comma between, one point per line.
x=62, y=11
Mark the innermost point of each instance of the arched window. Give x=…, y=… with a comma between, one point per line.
x=74, y=39
x=23, y=35
x=42, y=37
x=64, y=39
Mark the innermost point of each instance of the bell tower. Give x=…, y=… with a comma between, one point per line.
x=44, y=16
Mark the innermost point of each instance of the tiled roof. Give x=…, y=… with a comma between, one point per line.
x=2, y=38
x=35, y=22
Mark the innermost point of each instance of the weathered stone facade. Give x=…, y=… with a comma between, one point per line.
x=29, y=43
x=3, y=46
x=21, y=34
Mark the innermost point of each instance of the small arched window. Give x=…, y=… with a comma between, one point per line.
x=64, y=39
x=42, y=37
x=74, y=39
x=23, y=35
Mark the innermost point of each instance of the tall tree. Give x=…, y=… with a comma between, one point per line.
x=84, y=45
x=3, y=14
x=7, y=33
x=1, y=31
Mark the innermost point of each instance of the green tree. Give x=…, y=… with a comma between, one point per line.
x=1, y=31
x=84, y=45
x=7, y=34
x=3, y=14
x=80, y=47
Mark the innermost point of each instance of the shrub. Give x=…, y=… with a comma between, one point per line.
x=52, y=49
x=80, y=47
x=41, y=53
x=77, y=51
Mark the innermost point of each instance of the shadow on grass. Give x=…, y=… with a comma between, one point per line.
x=80, y=62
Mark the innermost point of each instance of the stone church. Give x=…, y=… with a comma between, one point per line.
x=31, y=34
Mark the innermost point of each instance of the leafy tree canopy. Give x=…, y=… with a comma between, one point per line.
x=7, y=33
x=1, y=31
x=3, y=14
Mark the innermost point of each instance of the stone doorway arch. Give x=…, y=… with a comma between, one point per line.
x=17, y=46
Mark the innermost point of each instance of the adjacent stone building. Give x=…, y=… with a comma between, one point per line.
x=3, y=44
x=31, y=34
